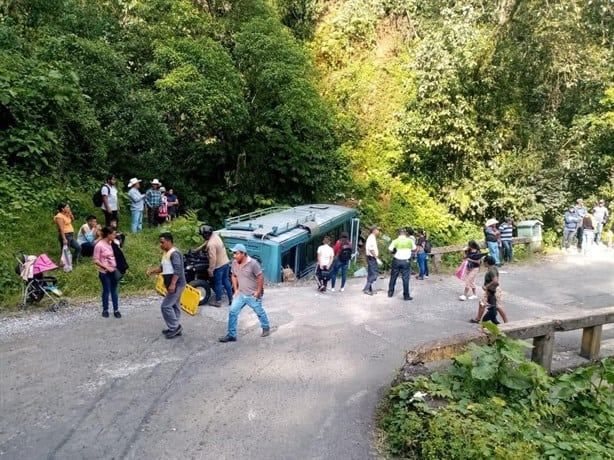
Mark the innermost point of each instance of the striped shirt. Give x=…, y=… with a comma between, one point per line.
x=506, y=232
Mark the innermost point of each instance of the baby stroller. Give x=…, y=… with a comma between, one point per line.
x=37, y=286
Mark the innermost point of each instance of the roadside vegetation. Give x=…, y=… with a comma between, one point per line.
x=494, y=403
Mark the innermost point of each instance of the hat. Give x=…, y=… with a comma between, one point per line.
x=155, y=182
x=579, y=200
x=239, y=248
x=133, y=181
x=601, y=201
x=491, y=221
x=162, y=189
x=373, y=227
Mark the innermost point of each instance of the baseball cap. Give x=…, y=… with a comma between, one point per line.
x=239, y=248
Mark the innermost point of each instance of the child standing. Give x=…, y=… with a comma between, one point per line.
x=492, y=292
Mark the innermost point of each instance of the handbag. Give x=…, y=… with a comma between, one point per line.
x=66, y=259
x=461, y=270
x=117, y=275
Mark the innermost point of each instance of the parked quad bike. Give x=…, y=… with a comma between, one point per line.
x=196, y=265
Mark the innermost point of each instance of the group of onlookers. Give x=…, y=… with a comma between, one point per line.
x=586, y=227
x=157, y=204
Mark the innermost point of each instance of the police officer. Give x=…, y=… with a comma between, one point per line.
x=402, y=248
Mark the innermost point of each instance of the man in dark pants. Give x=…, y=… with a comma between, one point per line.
x=153, y=200
x=402, y=249
x=581, y=211
x=173, y=272
x=372, y=254
x=110, y=202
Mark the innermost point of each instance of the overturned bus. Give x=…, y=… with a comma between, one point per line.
x=281, y=237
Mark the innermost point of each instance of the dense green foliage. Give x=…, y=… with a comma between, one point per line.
x=493, y=108
x=493, y=403
x=427, y=113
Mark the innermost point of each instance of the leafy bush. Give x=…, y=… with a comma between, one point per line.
x=493, y=403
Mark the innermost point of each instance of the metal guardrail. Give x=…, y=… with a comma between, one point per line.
x=541, y=330
x=437, y=252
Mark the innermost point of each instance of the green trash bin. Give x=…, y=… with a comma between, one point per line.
x=533, y=230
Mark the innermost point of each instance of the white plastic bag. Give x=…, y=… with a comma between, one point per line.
x=66, y=259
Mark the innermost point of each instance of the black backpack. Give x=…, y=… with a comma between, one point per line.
x=346, y=253
x=97, y=197
x=427, y=246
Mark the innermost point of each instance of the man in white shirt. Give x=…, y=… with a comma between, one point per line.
x=110, y=203
x=372, y=253
x=402, y=249
x=325, y=262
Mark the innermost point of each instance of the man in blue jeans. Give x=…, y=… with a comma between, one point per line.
x=492, y=237
x=248, y=287
x=219, y=267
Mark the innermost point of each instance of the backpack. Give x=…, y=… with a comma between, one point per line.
x=427, y=246
x=97, y=197
x=346, y=253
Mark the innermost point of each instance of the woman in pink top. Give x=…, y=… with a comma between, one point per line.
x=104, y=258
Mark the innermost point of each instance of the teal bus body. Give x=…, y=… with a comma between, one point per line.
x=289, y=237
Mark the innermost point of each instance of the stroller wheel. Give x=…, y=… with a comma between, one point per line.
x=22, y=306
x=62, y=304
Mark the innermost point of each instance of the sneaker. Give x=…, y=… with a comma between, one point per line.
x=368, y=292
x=165, y=331
x=462, y=297
x=472, y=297
x=227, y=338
x=342, y=289
x=265, y=332
x=105, y=314
x=474, y=321
x=408, y=298
x=174, y=332
x=117, y=314
x=215, y=303
x=332, y=289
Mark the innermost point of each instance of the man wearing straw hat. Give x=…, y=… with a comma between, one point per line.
x=492, y=236
x=153, y=200
x=137, y=205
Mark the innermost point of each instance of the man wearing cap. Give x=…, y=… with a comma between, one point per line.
x=137, y=205
x=402, y=248
x=492, y=235
x=571, y=226
x=248, y=287
x=581, y=211
x=153, y=200
x=600, y=214
x=110, y=203
x=372, y=254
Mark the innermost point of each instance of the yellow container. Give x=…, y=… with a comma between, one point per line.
x=190, y=297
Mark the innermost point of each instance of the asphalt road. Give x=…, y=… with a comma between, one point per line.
x=74, y=385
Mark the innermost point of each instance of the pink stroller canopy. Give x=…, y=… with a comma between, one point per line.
x=43, y=264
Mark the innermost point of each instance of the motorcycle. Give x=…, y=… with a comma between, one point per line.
x=196, y=266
